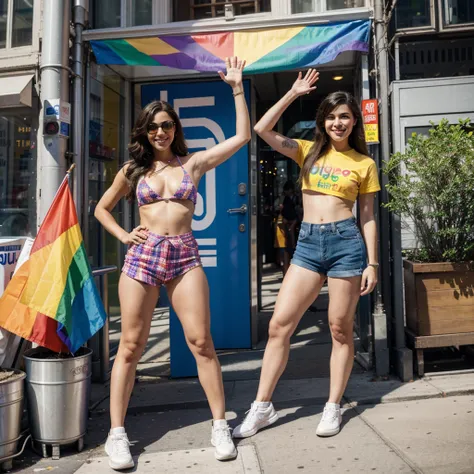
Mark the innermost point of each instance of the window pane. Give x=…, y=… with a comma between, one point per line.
x=459, y=11
x=142, y=12
x=305, y=6
x=340, y=4
x=3, y=23
x=302, y=6
x=17, y=176
x=184, y=10
x=106, y=13
x=22, y=28
x=412, y=13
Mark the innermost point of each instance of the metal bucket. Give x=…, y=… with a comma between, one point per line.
x=57, y=391
x=11, y=409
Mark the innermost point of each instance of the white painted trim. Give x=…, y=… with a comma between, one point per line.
x=8, y=43
x=280, y=8
x=261, y=20
x=162, y=12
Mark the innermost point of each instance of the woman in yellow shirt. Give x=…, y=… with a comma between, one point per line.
x=335, y=171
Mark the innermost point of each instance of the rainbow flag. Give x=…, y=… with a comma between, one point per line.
x=265, y=50
x=52, y=298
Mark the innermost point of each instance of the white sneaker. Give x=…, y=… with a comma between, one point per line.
x=257, y=418
x=117, y=448
x=330, y=423
x=222, y=440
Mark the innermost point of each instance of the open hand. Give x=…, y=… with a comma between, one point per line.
x=305, y=85
x=234, y=67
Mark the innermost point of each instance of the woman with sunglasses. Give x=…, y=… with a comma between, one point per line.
x=163, y=178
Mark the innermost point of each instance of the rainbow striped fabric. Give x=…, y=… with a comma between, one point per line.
x=265, y=50
x=52, y=298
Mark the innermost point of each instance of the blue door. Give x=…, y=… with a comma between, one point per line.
x=221, y=219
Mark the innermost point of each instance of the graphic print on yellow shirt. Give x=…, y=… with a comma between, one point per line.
x=344, y=175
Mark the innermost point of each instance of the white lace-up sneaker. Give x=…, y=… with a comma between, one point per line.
x=117, y=448
x=222, y=440
x=257, y=417
x=330, y=423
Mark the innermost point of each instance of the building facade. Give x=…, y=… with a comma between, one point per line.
x=134, y=51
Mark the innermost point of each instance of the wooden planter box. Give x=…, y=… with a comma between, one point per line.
x=439, y=298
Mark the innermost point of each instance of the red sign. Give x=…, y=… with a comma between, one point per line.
x=370, y=113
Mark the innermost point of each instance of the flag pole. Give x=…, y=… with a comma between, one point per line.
x=69, y=171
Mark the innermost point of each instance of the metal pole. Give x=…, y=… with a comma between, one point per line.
x=382, y=359
x=54, y=85
x=80, y=11
x=403, y=357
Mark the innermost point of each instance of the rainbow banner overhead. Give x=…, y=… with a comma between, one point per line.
x=52, y=298
x=265, y=50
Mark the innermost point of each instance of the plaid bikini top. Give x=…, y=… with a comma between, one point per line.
x=186, y=190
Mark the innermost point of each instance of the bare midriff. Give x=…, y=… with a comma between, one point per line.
x=322, y=208
x=167, y=217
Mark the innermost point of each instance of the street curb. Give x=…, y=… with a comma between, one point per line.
x=200, y=404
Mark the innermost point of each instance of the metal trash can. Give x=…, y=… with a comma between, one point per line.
x=11, y=410
x=58, y=392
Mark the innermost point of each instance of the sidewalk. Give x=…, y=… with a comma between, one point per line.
x=426, y=426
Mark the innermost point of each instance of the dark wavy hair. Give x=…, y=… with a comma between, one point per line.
x=321, y=139
x=140, y=149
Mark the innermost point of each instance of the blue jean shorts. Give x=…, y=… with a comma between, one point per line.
x=335, y=249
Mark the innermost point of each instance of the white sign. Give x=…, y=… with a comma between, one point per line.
x=57, y=109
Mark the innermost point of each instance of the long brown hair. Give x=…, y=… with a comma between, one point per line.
x=140, y=149
x=321, y=139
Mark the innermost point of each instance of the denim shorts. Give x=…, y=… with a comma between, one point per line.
x=335, y=249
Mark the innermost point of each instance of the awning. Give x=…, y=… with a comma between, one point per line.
x=16, y=91
x=266, y=50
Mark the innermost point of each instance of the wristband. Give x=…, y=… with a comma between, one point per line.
x=375, y=265
x=235, y=94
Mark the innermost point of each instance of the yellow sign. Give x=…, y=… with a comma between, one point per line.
x=371, y=132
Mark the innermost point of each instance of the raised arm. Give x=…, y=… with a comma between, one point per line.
x=264, y=127
x=208, y=159
x=103, y=211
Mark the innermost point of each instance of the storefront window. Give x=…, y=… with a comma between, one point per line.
x=412, y=14
x=184, y=10
x=106, y=157
x=17, y=175
x=307, y=6
x=458, y=12
x=22, y=29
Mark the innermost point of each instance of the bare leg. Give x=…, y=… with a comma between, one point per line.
x=189, y=295
x=299, y=289
x=137, y=302
x=344, y=294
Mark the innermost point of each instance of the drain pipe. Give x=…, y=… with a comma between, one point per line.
x=80, y=13
x=54, y=85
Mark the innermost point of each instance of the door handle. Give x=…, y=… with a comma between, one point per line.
x=239, y=210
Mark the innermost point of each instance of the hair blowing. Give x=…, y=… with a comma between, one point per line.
x=140, y=149
x=322, y=141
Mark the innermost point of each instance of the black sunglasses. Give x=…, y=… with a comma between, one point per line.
x=166, y=126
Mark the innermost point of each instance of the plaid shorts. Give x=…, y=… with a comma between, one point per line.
x=161, y=258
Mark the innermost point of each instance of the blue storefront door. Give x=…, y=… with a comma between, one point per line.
x=221, y=219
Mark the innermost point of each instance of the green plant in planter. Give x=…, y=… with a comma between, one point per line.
x=432, y=183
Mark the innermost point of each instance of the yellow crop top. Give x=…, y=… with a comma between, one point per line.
x=345, y=175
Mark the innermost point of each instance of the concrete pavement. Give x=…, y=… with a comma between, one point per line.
x=426, y=426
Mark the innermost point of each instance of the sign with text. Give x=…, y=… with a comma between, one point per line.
x=370, y=113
